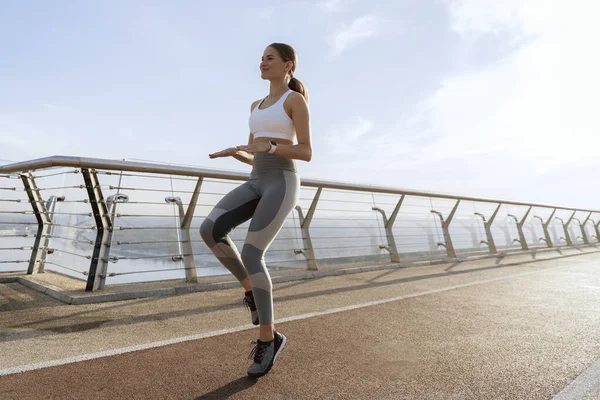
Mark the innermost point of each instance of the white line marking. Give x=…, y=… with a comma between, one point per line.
x=585, y=387
x=123, y=350
x=162, y=343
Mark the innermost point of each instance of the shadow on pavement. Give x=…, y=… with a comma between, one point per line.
x=129, y=320
x=230, y=389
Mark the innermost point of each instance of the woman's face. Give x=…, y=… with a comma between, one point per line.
x=272, y=66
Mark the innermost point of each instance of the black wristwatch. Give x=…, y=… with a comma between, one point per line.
x=273, y=146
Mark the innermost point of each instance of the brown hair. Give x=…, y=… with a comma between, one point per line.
x=287, y=53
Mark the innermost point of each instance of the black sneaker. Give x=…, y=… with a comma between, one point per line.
x=250, y=305
x=280, y=341
x=262, y=354
x=265, y=354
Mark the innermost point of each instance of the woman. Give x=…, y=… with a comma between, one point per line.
x=267, y=197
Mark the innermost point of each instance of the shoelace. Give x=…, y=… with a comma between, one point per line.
x=258, y=351
x=249, y=303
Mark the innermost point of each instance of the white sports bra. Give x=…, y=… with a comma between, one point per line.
x=273, y=121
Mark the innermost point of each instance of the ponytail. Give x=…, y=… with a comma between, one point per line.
x=299, y=87
x=287, y=53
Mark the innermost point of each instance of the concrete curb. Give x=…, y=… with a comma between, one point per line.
x=46, y=289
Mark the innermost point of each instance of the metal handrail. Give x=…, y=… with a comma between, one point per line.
x=438, y=238
x=133, y=166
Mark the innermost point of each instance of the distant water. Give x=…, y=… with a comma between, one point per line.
x=280, y=255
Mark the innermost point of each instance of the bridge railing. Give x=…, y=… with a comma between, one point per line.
x=110, y=222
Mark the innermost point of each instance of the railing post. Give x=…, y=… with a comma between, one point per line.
x=49, y=229
x=597, y=229
x=445, y=228
x=96, y=277
x=488, y=230
x=308, y=250
x=520, y=224
x=584, y=235
x=565, y=226
x=38, y=254
x=185, y=244
x=111, y=205
x=388, y=224
x=548, y=238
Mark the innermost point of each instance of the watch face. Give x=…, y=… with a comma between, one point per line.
x=273, y=142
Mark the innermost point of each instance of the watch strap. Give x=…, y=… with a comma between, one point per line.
x=273, y=147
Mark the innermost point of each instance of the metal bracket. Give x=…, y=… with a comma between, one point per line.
x=584, y=235
x=547, y=238
x=111, y=205
x=520, y=224
x=488, y=230
x=445, y=228
x=389, y=224
x=48, y=229
x=186, y=252
x=565, y=226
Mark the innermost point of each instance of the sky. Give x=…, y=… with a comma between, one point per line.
x=475, y=97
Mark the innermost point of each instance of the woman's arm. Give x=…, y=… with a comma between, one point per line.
x=301, y=117
x=243, y=156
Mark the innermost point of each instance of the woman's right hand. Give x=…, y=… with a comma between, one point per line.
x=224, y=153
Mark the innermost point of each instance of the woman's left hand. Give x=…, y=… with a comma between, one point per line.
x=255, y=148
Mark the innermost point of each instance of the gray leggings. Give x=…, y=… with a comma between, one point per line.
x=267, y=197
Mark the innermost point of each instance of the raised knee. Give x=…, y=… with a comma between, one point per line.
x=206, y=231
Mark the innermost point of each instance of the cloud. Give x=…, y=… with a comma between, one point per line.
x=520, y=125
x=535, y=105
x=472, y=17
x=360, y=29
x=332, y=6
x=348, y=137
